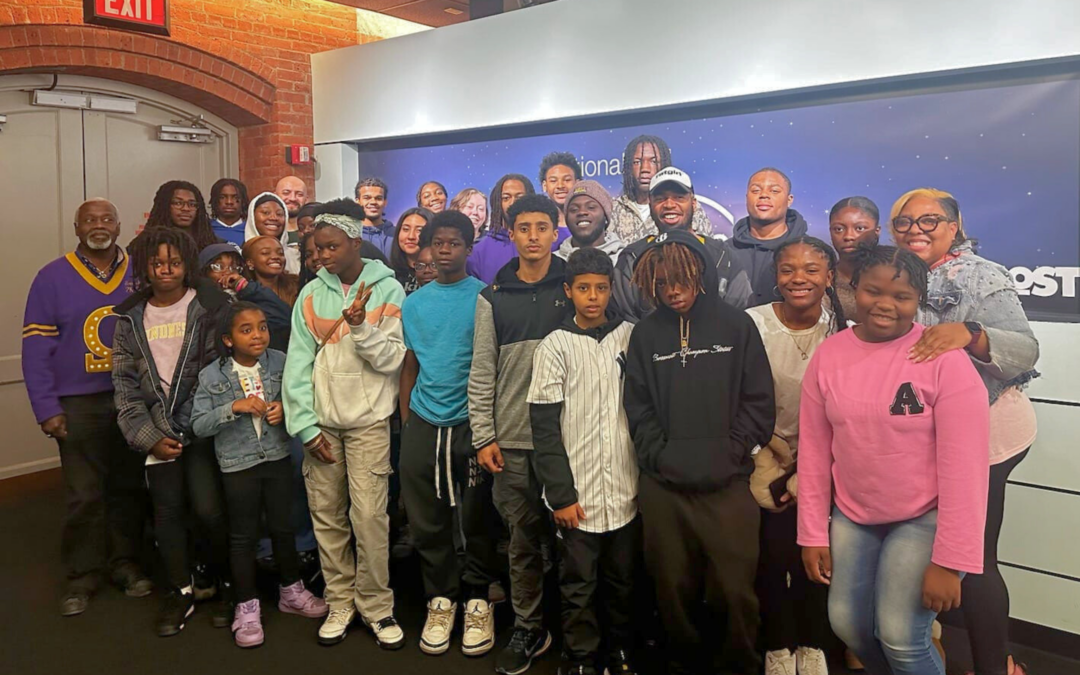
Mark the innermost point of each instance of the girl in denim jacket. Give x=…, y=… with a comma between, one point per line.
x=238, y=402
x=972, y=305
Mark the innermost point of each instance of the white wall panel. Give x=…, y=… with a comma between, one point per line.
x=1059, y=363
x=579, y=58
x=1040, y=530
x=1054, y=460
x=1042, y=599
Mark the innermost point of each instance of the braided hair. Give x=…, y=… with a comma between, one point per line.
x=215, y=195
x=200, y=229
x=839, y=320
x=496, y=216
x=900, y=260
x=680, y=265
x=146, y=246
x=225, y=326
x=663, y=152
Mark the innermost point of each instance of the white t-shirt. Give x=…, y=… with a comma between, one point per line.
x=251, y=382
x=644, y=210
x=165, y=328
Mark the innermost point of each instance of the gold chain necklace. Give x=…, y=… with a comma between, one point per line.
x=684, y=338
x=801, y=348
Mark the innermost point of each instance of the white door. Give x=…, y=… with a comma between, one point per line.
x=51, y=159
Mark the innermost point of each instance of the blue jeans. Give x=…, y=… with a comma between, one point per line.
x=875, y=601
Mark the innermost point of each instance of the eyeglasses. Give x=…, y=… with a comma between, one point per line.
x=927, y=224
x=180, y=204
x=424, y=267
x=222, y=267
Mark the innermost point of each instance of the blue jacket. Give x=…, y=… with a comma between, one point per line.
x=972, y=288
x=380, y=237
x=236, y=444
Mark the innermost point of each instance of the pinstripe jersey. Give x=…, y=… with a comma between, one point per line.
x=584, y=371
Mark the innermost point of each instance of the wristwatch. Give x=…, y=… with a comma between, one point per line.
x=976, y=329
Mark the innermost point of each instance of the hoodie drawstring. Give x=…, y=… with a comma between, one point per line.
x=449, y=469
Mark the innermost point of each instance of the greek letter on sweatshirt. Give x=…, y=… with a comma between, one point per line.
x=895, y=439
x=68, y=332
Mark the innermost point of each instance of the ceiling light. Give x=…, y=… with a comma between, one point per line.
x=453, y=10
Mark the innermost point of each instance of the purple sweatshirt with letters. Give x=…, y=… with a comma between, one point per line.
x=68, y=332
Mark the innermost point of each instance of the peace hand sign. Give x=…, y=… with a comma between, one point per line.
x=355, y=313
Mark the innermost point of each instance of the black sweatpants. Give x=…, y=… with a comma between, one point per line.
x=794, y=610
x=266, y=487
x=427, y=484
x=702, y=551
x=193, y=479
x=105, y=492
x=986, y=598
x=596, y=570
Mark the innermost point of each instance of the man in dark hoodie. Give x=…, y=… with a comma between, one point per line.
x=771, y=223
x=699, y=400
x=513, y=316
x=671, y=200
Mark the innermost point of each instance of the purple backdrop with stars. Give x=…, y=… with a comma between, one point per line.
x=1010, y=155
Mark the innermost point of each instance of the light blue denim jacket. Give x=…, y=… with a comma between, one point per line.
x=236, y=444
x=972, y=288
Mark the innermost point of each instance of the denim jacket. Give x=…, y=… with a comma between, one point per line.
x=972, y=288
x=236, y=444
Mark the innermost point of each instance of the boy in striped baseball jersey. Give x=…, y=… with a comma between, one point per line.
x=585, y=461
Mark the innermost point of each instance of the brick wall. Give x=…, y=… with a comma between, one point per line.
x=272, y=38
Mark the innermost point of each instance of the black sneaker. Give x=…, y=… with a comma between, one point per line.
x=524, y=646
x=175, y=610
x=223, y=609
x=619, y=663
x=577, y=669
x=203, y=585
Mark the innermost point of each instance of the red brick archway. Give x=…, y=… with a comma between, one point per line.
x=237, y=89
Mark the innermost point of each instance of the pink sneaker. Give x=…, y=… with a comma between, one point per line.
x=296, y=599
x=247, y=624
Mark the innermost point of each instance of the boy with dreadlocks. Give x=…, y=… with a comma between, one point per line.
x=699, y=400
x=181, y=205
x=164, y=337
x=630, y=216
x=494, y=250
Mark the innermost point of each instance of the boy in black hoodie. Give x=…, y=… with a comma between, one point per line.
x=770, y=223
x=513, y=315
x=699, y=399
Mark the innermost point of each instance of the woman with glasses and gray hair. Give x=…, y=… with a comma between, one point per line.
x=972, y=305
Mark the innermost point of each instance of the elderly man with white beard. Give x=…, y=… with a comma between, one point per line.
x=66, y=361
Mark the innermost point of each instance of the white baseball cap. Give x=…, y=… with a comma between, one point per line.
x=671, y=175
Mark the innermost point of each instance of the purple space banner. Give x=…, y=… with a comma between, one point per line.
x=1010, y=155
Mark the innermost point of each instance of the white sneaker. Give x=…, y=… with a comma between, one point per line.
x=388, y=633
x=779, y=662
x=439, y=625
x=479, y=635
x=336, y=625
x=810, y=661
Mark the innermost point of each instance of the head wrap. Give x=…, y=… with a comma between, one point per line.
x=352, y=227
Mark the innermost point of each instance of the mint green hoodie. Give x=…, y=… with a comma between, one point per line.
x=352, y=382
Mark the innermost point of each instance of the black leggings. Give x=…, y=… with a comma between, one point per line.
x=985, y=596
x=794, y=610
x=192, y=478
x=268, y=486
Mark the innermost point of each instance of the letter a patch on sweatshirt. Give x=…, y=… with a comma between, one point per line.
x=906, y=401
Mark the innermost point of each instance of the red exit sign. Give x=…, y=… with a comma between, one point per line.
x=147, y=16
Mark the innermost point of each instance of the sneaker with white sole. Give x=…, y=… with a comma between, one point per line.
x=435, y=639
x=479, y=634
x=387, y=632
x=335, y=627
x=810, y=661
x=780, y=662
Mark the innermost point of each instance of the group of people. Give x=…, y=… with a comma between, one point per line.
x=729, y=444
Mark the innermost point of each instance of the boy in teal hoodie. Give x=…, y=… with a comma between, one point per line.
x=340, y=389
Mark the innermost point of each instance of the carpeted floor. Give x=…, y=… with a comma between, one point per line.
x=116, y=634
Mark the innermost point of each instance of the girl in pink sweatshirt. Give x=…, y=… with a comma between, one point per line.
x=903, y=446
